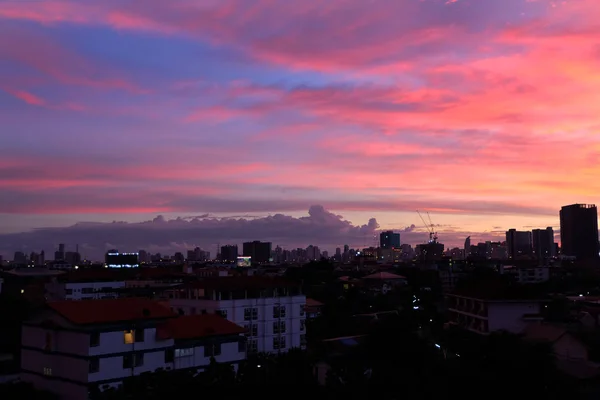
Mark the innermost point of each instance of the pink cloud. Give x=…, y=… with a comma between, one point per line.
x=27, y=97
x=491, y=113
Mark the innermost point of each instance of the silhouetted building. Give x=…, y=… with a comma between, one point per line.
x=389, y=240
x=467, y=246
x=20, y=258
x=229, y=253
x=579, y=231
x=543, y=243
x=518, y=243
x=259, y=251
x=114, y=259
x=60, y=254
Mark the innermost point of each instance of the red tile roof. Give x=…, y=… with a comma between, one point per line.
x=84, y=312
x=197, y=326
x=384, y=276
x=313, y=303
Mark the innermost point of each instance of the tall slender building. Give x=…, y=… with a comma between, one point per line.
x=543, y=243
x=579, y=231
x=467, y=246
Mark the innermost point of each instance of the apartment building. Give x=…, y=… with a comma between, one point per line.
x=487, y=309
x=73, y=347
x=272, y=310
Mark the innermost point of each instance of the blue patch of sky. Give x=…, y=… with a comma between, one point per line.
x=176, y=58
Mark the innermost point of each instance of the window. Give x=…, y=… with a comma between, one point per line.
x=48, y=344
x=222, y=313
x=211, y=350
x=279, y=343
x=94, y=365
x=251, y=330
x=250, y=314
x=68, y=291
x=184, y=352
x=252, y=346
x=169, y=355
x=139, y=335
x=127, y=361
x=94, y=339
x=131, y=360
x=302, y=325
x=303, y=340
x=278, y=327
x=302, y=306
x=47, y=371
x=128, y=337
x=242, y=346
x=279, y=312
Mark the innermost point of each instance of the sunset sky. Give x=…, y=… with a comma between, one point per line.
x=486, y=113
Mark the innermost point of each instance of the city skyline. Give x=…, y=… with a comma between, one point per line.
x=125, y=111
x=320, y=227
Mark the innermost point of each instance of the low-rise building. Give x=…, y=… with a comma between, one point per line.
x=489, y=308
x=72, y=347
x=270, y=309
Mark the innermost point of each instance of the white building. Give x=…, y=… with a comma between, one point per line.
x=483, y=315
x=74, y=346
x=270, y=309
x=82, y=290
x=530, y=274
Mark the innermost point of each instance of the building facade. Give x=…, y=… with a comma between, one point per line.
x=77, y=346
x=271, y=310
x=259, y=251
x=579, y=231
x=484, y=316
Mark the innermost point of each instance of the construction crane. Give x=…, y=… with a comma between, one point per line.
x=430, y=227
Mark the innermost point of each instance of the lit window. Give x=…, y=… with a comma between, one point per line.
x=184, y=352
x=129, y=337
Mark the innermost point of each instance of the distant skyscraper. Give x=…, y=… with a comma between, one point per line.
x=389, y=239
x=467, y=246
x=229, y=253
x=518, y=243
x=579, y=231
x=313, y=253
x=259, y=251
x=543, y=243
x=60, y=254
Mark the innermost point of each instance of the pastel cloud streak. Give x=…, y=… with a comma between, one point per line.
x=480, y=109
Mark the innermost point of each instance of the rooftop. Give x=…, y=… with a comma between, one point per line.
x=499, y=290
x=544, y=332
x=119, y=274
x=232, y=283
x=313, y=303
x=88, y=312
x=384, y=276
x=197, y=326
